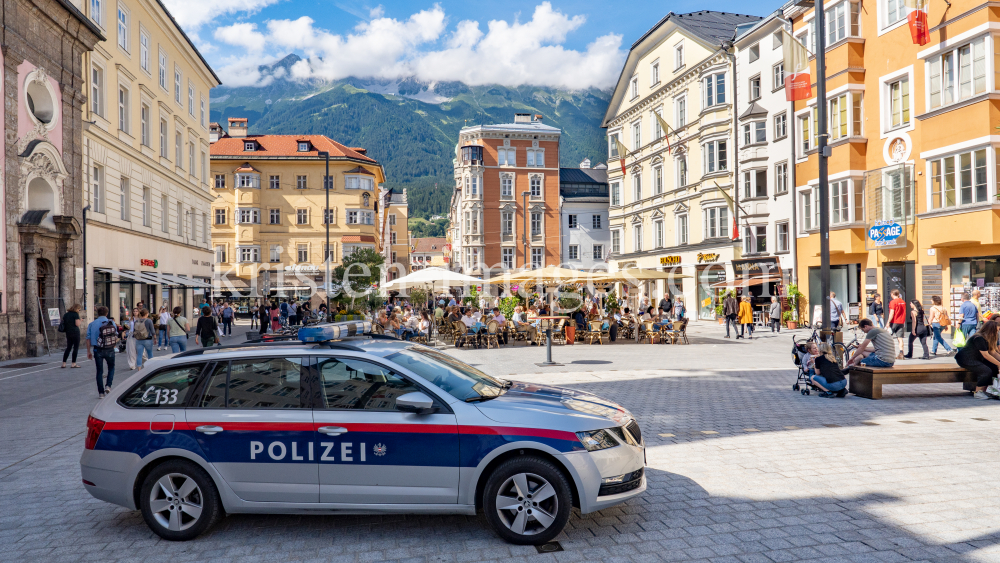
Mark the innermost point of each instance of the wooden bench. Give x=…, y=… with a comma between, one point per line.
x=868, y=381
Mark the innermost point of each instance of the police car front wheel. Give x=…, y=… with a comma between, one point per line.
x=527, y=500
x=179, y=500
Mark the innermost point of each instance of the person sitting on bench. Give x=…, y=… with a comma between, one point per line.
x=829, y=379
x=981, y=357
x=878, y=350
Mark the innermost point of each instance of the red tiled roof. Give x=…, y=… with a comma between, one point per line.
x=357, y=238
x=247, y=168
x=284, y=145
x=359, y=170
x=424, y=244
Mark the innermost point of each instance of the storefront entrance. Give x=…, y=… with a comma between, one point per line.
x=899, y=276
x=845, y=282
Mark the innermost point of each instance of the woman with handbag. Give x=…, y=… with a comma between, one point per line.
x=919, y=329
x=939, y=320
x=178, y=330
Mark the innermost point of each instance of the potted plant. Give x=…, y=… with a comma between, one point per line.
x=718, y=314
x=787, y=318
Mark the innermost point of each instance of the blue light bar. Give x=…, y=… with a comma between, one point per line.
x=334, y=331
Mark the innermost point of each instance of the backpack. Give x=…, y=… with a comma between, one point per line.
x=107, y=335
x=140, y=332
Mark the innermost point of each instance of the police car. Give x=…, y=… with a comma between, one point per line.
x=345, y=422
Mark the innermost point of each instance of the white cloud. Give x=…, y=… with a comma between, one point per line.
x=195, y=13
x=508, y=53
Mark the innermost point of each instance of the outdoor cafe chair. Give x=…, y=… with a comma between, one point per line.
x=492, y=329
x=462, y=332
x=559, y=331
x=594, y=331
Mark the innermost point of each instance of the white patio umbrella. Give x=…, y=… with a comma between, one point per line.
x=434, y=277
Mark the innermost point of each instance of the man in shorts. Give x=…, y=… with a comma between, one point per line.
x=878, y=350
x=897, y=319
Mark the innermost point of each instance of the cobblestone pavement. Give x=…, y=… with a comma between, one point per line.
x=741, y=469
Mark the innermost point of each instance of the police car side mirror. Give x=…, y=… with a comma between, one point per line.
x=415, y=402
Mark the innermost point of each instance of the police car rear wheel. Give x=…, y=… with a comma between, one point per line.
x=527, y=500
x=179, y=501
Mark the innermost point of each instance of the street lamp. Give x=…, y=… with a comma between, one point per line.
x=85, y=210
x=326, y=219
x=824, y=184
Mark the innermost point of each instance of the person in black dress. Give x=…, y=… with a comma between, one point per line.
x=71, y=324
x=264, y=312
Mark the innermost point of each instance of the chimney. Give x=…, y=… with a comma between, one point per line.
x=522, y=118
x=585, y=163
x=538, y=117
x=214, y=132
x=238, y=127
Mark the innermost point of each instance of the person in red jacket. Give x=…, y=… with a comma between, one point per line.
x=897, y=319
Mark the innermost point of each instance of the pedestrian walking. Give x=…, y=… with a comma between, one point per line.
x=102, y=338
x=142, y=334
x=163, y=328
x=275, y=317
x=264, y=312
x=227, y=319
x=970, y=316
x=745, y=317
x=918, y=329
x=283, y=312
x=179, y=327
x=71, y=328
x=939, y=320
x=680, y=311
x=129, y=340
x=730, y=309
x=253, y=316
x=293, y=313
x=836, y=311
x=875, y=311
x=897, y=319
x=775, y=314
x=206, y=332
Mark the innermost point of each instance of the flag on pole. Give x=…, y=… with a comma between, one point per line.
x=917, y=19
x=622, y=153
x=732, y=210
x=665, y=128
x=798, y=82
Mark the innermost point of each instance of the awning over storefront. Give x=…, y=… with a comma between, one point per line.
x=128, y=278
x=169, y=280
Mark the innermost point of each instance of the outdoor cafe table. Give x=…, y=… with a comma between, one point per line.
x=548, y=338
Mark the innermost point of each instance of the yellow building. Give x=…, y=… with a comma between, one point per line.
x=429, y=252
x=667, y=211
x=145, y=159
x=914, y=167
x=268, y=215
x=396, y=234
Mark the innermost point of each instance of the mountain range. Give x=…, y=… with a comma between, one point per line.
x=410, y=127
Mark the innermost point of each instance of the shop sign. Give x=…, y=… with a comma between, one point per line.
x=755, y=268
x=707, y=258
x=884, y=233
x=311, y=268
x=670, y=260
x=149, y=263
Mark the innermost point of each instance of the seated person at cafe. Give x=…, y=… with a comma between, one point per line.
x=878, y=350
x=580, y=319
x=663, y=321
x=498, y=316
x=476, y=314
x=453, y=315
x=469, y=320
x=521, y=324
x=543, y=311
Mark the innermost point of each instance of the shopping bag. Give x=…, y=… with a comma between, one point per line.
x=959, y=340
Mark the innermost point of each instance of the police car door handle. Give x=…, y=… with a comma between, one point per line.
x=331, y=430
x=209, y=429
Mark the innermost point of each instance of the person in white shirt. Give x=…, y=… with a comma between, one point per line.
x=469, y=319
x=164, y=319
x=476, y=315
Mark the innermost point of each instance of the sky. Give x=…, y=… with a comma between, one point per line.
x=565, y=44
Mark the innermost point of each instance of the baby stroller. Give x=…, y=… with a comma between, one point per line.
x=799, y=354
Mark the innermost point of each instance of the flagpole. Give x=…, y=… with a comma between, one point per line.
x=824, y=184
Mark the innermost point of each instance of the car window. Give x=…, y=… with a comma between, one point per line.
x=455, y=377
x=256, y=383
x=348, y=383
x=165, y=389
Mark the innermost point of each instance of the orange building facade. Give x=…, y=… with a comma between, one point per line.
x=913, y=167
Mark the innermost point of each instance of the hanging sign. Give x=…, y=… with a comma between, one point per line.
x=917, y=20
x=885, y=233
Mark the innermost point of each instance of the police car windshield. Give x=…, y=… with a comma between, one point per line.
x=459, y=379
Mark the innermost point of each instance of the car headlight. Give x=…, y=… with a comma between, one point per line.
x=624, y=436
x=595, y=440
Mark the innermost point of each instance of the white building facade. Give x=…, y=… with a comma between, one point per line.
x=583, y=217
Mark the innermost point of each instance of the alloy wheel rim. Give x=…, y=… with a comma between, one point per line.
x=176, y=502
x=527, y=504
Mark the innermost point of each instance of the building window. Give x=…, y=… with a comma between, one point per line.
x=147, y=206
x=220, y=254
x=755, y=132
x=220, y=216
x=716, y=222
x=658, y=234
x=682, y=229
x=165, y=214
x=778, y=76
x=274, y=216
x=204, y=116
x=572, y=221
x=536, y=224
x=162, y=70
x=124, y=199
x=300, y=182
x=595, y=221
x=248, y=215
x=274, y=253
x=680, y=109
x=810, y=210
x=682, y=171
x=838, y=117
x=895, y=10
x=329, y=216
x=123, y=112
x=636, y=135
x=356, y=217
x=658, y=180
x=506, y=186
x=899, y=103
x=537, y=258
x=634, y=87
x=536, y=157
x=836, y=23
x=144, y=125
x=616, y=194
x=781, y=178
x=637, y=238
x=123, y=28
x=616, y=241
x=654, y=73
x=840, y=211
x=144, y=50
x=97, y=12
x=613, y=145
x=598, y=252
x=714, y=89
x=715, y=156
x=392, y=237
x=755, y=239
x=959, y=179
x=808, y=129
x=958, y=74
x=304, y=253
x=678, y=56
x=250, y=254
x=754, y=52
x=636, y=188
x=782, y=237
x=536, y=186
x=220, y=181
x=755, y=88
x=474, y=186
x=301, y=216
x=506, y=223
x=574, y=252
x=163, y=138
x=177, y=85
x=507, y=258
x=191, y=158
x=329, y=253
x=194, y=229
x=97, y=90
x=780, y=126
x=357, y=183
x=178, y=155
x=754, y=184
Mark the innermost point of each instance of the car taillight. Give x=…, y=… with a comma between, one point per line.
x=94, y=428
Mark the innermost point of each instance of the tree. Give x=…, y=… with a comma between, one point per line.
x=358, y=272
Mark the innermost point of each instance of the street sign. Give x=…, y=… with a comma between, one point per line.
x=54, y=316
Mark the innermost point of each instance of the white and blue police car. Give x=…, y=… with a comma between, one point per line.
x=345, y=422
